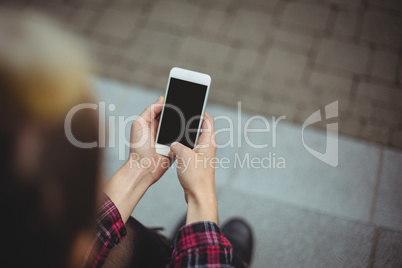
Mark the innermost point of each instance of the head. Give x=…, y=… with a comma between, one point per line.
x=48, y=186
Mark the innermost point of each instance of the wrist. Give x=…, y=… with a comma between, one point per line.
x=202, y=208
x=201, y=198
x=126, y=188
x=137, y=172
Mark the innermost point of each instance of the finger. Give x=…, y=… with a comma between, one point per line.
x=208, y=122
x=206, y=142
x=157, y=107
x=154, y=128
x=208, y=130
x=180, y=150
x=139, y=127
x=153, y=110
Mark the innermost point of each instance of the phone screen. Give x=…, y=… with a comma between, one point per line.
x=182, y=112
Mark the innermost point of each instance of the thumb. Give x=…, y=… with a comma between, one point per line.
x=180, y=150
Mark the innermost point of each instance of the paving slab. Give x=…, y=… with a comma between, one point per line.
x=346, y=190
x=388, y=204
x=286, y=236
x=388, y=250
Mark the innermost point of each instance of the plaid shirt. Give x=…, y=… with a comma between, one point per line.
x=200, y=244
x=109, y=231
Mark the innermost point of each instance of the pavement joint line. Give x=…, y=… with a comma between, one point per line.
x=373, y=247
x=377, y=182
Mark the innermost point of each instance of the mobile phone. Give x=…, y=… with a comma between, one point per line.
x=182, y=114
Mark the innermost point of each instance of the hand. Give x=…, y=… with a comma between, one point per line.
x=142, y=140
x=144, y=166
x=196, y=172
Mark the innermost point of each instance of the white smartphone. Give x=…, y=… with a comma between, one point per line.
x=183, y=110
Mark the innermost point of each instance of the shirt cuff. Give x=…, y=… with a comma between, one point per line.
x=198, y=234
x=110, y=226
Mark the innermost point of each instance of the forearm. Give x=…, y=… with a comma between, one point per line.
x=126, y=188
x=202, y=208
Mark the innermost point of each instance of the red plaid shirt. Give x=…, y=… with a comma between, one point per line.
x=200, y=244
x=109, y=231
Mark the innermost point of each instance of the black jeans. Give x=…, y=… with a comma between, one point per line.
x=143, y=247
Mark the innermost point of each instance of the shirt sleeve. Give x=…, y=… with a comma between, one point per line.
x=201, y=244
x=109, y=232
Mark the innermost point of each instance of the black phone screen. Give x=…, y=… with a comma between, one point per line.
x=182, y=112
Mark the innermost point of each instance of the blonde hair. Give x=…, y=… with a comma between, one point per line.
x=44, y=70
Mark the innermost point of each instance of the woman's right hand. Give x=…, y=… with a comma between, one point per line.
x=196, y=172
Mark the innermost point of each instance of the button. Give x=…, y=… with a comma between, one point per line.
x=115, y=239
x=123, y=231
